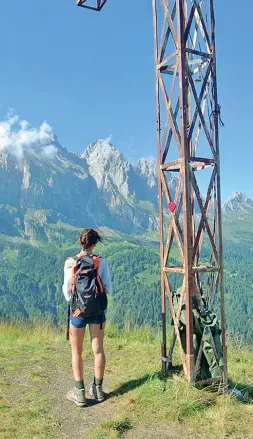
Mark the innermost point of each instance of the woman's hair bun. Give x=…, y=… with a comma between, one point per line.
x=88, y=238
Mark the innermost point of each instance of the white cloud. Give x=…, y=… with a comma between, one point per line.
x=18, y=137
x=49, y=151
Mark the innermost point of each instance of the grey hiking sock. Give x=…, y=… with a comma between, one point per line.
x=79, y=385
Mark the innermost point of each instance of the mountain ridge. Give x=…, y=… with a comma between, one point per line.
x=110, y=192
x=43, y=182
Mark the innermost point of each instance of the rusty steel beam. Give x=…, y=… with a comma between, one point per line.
x=160, y=199
x=187, y=122
x=219, y=212
x=186, y=179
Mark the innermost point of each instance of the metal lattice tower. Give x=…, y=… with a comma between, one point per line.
x=187, y=118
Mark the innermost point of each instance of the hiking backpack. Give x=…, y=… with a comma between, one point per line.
x=88, y=294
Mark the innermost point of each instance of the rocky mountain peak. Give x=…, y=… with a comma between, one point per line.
x=108, y=166
x=148, y=169
x=102, y=151
x=238, y=202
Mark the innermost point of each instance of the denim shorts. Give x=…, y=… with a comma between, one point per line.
x=81, y=322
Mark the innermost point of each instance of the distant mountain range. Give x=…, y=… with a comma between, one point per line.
x=99, y=188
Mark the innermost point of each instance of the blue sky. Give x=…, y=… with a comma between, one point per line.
x=91, y=76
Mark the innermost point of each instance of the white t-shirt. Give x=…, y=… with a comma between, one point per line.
x=104, y=273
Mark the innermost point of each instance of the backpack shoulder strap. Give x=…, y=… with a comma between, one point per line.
x=69, y=262
x=96, y=261
x=74, y=270
x=96, y=266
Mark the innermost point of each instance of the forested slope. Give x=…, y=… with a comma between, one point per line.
x=32, y=276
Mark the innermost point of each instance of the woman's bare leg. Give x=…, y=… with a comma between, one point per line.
x=76, y=339
x=97, y=343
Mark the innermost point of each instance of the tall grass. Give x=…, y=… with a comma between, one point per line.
x=35, y=363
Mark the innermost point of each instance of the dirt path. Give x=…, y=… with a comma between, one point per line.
x=75, y=422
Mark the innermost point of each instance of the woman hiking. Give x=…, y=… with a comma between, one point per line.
x=87, y=279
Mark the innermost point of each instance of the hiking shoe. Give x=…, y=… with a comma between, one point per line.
x=77, y=396
x=97, y=392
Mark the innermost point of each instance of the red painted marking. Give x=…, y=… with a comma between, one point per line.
x=172, y=206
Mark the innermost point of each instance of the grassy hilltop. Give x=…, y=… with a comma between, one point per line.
x=35, y=374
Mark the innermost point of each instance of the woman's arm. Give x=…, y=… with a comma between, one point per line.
x=105, y=275
x=66, y=287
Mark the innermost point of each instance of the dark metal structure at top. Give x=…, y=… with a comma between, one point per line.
x=187, y=125
x=95, y=5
